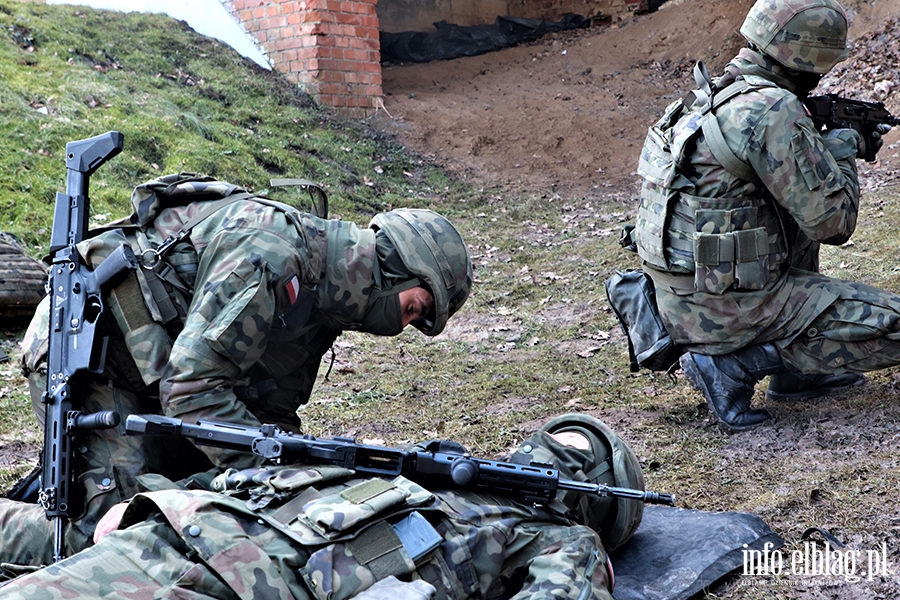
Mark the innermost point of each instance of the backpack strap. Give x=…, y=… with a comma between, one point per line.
x=152, y=257
x=707, y=100
x=713, y=132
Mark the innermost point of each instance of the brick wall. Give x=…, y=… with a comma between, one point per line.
x=331, y=47
x=328, y=47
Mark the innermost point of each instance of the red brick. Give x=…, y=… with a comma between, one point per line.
x=278, y=22
x=306, y=52
x=369, y=21
x=369, y=67
x=330, y=88
x=317, y=16
x=345, y=19
x=287, y=44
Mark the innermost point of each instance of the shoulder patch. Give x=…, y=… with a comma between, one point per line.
x=292, y=287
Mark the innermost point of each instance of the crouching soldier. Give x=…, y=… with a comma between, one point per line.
x=236, y=301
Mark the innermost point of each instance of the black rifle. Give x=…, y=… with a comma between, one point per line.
x=76, y=346
x=537, y=482
x=832, y=112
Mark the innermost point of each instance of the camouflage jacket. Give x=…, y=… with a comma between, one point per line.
x=322, y=533
x=810, y=183
x=264, y=294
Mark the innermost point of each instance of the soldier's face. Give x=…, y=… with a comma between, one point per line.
x=573, y=439
x=415, y=303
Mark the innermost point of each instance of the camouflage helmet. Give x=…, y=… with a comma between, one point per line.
x=803, y=35
x=434, y=251
x=610, y=461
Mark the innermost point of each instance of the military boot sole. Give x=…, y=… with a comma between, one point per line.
x=834, y=384
x=692, y=373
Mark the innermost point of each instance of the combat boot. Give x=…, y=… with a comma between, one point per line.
x=795, y=386
x=727, y=383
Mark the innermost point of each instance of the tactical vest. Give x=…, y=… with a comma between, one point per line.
x=348, y=532
x=721, y=242
x=150, y=305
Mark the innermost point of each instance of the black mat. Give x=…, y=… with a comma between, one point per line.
x=454, y=41
x=677, y=553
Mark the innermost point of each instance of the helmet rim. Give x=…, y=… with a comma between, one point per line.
x=436, y=262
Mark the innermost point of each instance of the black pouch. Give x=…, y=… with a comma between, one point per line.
x=633, y=299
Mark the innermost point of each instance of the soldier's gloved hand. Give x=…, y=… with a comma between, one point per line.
x=870, y=144
x=843, y=143
x=392, y=588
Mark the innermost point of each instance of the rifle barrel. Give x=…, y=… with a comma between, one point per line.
x=618, y=492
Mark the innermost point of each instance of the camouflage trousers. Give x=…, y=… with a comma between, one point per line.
x=108, y=465
x=858, y=332
x=825, y=325
x=118, y=568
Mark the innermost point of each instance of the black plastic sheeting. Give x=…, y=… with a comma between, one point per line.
x=677, y=554
x=454, y=41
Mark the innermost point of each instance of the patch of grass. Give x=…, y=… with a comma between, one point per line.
x=20, y=436
x=184, y=103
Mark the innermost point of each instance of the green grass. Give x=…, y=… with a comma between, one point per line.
x=183, y=102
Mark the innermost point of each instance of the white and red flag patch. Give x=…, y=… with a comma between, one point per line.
x=292, y=286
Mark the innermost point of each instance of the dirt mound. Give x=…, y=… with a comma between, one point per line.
x=568, y=114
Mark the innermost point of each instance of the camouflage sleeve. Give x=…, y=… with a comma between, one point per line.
x=817, y=187
x=573, y=565
x=226, y=331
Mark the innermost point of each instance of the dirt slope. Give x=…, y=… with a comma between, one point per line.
x=568, y=114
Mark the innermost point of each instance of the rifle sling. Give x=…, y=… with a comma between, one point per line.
x=709, y=100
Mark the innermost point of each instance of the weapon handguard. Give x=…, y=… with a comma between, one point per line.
x=536, y=483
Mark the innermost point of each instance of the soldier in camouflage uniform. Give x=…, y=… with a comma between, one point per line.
x=238, y=299
x=322, y=533
x=739, y=188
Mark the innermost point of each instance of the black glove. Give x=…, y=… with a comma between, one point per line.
x=872, y=142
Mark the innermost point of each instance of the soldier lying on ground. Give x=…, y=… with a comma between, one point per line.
x=732, y=214
x=231, y=326
x=320, y=532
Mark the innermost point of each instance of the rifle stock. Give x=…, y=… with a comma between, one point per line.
x=75, y=344
x=537, y=482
